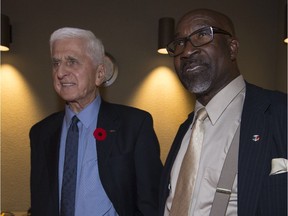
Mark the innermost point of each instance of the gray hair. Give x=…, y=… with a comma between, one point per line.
x=94, y=46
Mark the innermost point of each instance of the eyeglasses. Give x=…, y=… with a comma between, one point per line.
x=197, y=38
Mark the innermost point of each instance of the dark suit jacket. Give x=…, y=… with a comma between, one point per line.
x=265, y=114
x=128, y=159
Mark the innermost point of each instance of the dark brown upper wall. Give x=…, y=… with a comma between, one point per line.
x=128, y=29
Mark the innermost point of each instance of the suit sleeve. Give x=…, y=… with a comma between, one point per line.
x=148, y=168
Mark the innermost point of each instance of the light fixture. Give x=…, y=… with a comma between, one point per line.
x=111, y=70
x=166, y=27
x=6, y=37
x=285, y=25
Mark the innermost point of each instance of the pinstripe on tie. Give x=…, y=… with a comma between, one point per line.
x=70, y=170
x=189, y=168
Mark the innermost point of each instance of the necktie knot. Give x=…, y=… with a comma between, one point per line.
x=74, y=120
x=73, y=126
x=202, y=114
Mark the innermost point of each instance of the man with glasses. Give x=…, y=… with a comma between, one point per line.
x=205, y=58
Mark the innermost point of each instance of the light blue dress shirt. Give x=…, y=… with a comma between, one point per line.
x=91, y=199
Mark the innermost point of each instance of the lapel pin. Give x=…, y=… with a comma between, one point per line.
x=100, y=134
x=256, y=138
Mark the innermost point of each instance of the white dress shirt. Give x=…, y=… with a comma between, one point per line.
x=224, y=116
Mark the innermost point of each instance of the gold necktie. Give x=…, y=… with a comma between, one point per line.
x=189, y=168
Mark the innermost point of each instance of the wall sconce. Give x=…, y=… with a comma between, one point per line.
x=6, y=30
x=111, y=70
x=285, y=25
x=166, y=27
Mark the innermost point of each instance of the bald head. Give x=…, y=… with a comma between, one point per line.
x=206, y=49
x=217, y=19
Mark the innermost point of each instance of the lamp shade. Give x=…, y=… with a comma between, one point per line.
x=5, y=33
x=166, y=27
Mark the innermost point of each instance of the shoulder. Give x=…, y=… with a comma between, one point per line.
x=123, y=110
x=51, y=121
x=254, y=92
x=273, y=104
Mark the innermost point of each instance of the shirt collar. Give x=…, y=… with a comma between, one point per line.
x=222, y=99
x=87, y=115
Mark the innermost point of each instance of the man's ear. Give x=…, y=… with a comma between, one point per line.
x=100, y=75
x=234, y=47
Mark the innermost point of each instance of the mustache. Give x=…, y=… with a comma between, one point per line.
x=192, y=62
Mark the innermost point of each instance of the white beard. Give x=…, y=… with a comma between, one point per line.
x=199, y=88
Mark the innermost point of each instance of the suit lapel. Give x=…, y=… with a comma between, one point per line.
x=107, y=120
x=52, y=144
x=177, y=141
x=165, y=179
x=253, y=149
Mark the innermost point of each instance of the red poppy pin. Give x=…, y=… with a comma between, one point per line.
x=100, y=134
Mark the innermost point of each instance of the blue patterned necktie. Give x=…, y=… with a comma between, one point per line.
x=70, y=170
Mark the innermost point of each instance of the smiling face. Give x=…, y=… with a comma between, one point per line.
x=76, y=78
x=205, y=70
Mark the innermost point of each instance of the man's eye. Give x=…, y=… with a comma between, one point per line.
x=203, y=34
x=55, y=64
x=180, y=42
x=72, y=62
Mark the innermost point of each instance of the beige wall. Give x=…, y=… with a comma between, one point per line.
x=128, y=29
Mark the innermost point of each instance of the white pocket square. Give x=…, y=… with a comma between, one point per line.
x=279, y=165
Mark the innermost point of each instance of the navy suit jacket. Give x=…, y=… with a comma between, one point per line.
x=128, y=159
x=265, y=114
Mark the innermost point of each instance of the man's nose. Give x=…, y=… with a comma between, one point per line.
x=62, y=70
x=189, y=49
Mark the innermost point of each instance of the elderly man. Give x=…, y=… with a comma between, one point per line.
x=94, y=158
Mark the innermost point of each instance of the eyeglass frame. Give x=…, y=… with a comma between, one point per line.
x=214, y=30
